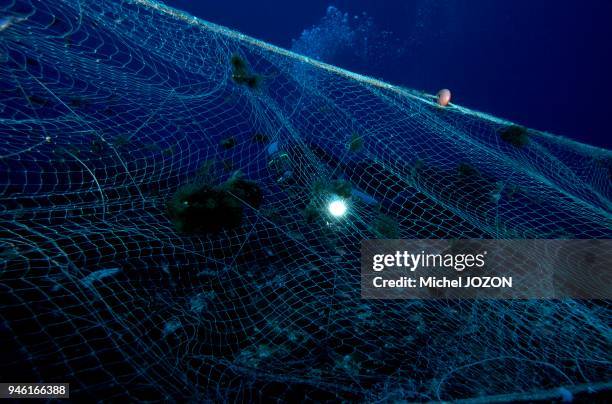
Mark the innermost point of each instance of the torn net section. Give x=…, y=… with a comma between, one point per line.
x=109, y=108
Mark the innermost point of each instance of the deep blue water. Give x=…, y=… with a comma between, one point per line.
x=544, y=64
x=165, y=191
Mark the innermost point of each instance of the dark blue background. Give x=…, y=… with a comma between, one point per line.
x=542, y=63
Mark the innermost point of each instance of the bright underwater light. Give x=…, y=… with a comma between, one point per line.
x=337, y=208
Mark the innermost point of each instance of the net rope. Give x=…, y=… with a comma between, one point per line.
x=110, y=108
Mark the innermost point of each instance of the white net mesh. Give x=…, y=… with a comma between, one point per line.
x=119, y=277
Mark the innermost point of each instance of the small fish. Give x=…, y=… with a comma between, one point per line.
x=273, y=148
x=98, y=275
x=370, y=200
x=5, y=22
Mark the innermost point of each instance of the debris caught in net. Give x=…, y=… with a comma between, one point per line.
x=248, y=290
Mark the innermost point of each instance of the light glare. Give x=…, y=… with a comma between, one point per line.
x=337, y=208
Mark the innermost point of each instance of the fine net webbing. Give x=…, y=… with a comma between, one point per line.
x=108, y=108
